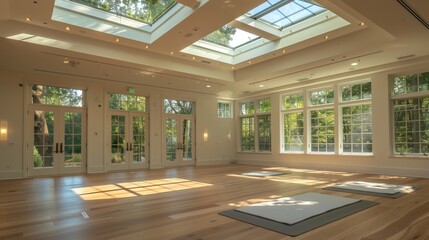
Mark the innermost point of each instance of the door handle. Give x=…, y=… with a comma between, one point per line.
x=56, y=148
x=61, y=148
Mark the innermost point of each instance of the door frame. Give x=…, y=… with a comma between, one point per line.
x=128, y=164
x=179, y=154
x=59, y=134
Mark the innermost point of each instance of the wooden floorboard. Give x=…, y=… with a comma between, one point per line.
x=183, y=203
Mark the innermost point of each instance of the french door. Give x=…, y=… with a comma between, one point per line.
x=179, y=140
x=127, y=143
x=57, y=140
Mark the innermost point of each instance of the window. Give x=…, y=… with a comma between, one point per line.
x=256, y=126
x=57, y=96
x=127, y=102
x=224, y=109
x=410, y=102
x=356, y=115
x=293, y=123
x=178, y=107
x=322, y=121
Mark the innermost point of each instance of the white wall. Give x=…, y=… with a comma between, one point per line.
x=11, y=110
x=382, y=161
x=219, y=148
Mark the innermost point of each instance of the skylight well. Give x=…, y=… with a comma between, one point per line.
x=262, y=30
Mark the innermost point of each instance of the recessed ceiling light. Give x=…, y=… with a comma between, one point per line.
x=67, y=29
x=171, y=53
x=146, y=46
x=362, y=24
x=250, y=61
x=117, y=40
x=354, y=63
x=326, y=37
x=284, y=51
x=233, y=67
x=28, y=19
x=261, y=85
x=208, y=86
x=66, y=61
x=193, y=58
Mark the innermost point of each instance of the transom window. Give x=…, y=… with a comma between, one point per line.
x=224, y=109
x=127, y=102
x=57, y=96
x=178, y=107
x=410, y=103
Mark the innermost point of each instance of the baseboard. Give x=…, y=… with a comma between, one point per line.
x=4, y=175
x=409, y=172
x=155, y=165
x=214, y=162
x=96, y=169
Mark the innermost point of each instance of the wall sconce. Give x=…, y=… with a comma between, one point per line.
x=3, y=131
x=206, y=137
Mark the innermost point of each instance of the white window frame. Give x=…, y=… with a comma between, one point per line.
x=255, y=116
x=310, y=107
x=291, y=111
x=224, y=113
x=351, y=103
x=419, y=94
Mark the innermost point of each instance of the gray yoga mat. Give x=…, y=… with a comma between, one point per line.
x=373, y=189
x=263, y=173
x=294, y=209
x=303, y=226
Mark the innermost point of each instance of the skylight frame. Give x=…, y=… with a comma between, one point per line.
x=80, y=15
x=238, y=45
x=154, y=20
x=276, y=6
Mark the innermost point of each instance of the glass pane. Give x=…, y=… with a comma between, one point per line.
x=264, y=127
x=186, y=139
x=144, y=11
x=264, y=105
x=247, y=134
x=43, y=132
x=138, y=139
x=230, y=37
x=282, y=15
x=57, y=96
x=178, y=107
x=171, y=139
x=118, y=140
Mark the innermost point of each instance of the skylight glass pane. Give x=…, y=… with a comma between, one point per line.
x=147, y=11
x=285, y=12
x=230, y=37
x=264, y=6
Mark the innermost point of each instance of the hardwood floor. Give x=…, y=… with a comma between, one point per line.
x=183, y=203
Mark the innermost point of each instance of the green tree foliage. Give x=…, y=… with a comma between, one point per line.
x=147, y=11
x=222, y=36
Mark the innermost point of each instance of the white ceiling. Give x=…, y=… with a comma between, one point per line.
x=390, y=33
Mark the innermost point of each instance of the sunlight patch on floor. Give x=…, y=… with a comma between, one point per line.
x=134, y=189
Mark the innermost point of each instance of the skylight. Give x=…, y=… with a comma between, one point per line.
x=284, y=13
x=231, y=37
x=147, y=11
